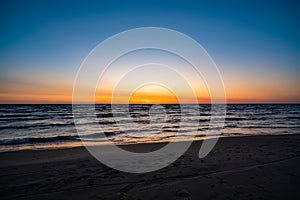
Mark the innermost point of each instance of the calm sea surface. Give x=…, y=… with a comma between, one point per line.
x=47, y=126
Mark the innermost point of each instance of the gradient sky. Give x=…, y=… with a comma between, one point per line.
x=255, y=44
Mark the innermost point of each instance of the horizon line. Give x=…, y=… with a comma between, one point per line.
x=231, y=103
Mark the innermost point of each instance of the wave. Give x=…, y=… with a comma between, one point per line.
x=37, y=126
x=19, y=141
x=293, y=117
x=235, y=118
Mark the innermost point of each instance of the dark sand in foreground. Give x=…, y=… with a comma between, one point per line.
x=256, y=167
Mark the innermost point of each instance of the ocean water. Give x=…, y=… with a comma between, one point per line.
x=52, y=126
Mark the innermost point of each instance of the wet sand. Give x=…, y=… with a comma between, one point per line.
x=254, y=167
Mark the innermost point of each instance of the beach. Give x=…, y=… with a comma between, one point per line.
x=250, y=167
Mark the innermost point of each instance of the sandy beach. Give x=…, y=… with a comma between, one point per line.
x=252, y=167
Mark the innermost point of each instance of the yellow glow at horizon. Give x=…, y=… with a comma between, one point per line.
x=153, y=94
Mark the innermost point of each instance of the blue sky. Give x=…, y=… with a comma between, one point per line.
x=45, y=41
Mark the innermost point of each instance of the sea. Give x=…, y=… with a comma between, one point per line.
x=52, y=126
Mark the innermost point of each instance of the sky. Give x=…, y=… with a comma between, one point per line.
x=255, y=44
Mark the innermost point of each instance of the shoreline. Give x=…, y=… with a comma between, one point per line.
x=254, y=167
x=79, y=144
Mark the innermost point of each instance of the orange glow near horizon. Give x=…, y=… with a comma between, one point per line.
x=147, y=95
x=141, y=97
x=150, y=94
x=56, y=99
x=144, y=97
x=236, y=93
